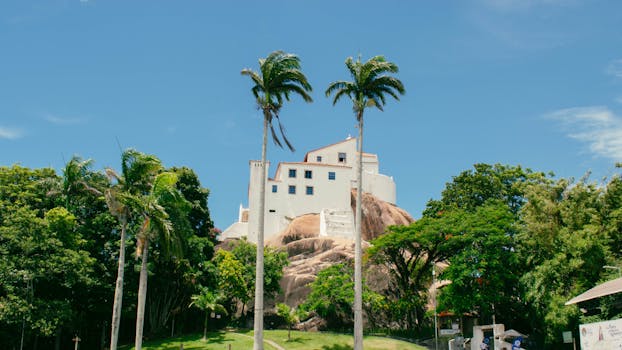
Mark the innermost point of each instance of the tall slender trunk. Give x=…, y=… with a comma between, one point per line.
x=358, y=275
x=205, y=326
x=258, y=326
x=102, y=341
x=59, y=333
x=118, y=291
x=142, y=296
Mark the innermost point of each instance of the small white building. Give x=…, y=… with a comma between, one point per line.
x=320, y=184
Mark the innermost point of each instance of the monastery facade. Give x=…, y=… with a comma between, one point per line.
x=320, y=184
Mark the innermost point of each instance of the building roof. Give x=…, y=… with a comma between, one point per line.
x=331, y=145
x=607, y=288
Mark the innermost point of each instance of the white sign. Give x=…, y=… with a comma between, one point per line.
x=601, y=335
x=567, y=336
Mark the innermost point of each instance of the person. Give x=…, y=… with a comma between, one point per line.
x=484, y=344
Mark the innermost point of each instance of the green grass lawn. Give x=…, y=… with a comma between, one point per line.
x=243, y=340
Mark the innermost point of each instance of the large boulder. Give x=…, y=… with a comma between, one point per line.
x=309, y=253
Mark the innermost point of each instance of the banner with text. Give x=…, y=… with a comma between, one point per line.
x=601, y=335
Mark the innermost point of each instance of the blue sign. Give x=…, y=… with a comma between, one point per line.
x=516, y=343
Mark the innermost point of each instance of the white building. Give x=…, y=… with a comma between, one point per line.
x=320, y=184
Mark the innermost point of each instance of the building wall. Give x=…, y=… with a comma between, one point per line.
x=282, y=206
x=330, y=153
x=381, y=186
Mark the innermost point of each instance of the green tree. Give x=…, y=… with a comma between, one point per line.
x=289, y=315
x=371, y=82
x=473, y=188
x=199, y=216
x=408, y=253
x=279, y=76
x=43, y=261
x=332, y=295
x=208, y=302
x=122, y=197
x=231, y=279
x=236, y=267
x=563, y=244
x=174, y=279
x=156, y=227
x=481, y=271
x=80, y=190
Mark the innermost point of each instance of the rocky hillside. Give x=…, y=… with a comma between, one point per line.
x=310, y=253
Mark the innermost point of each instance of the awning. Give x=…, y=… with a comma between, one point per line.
x=511, y=333
x=607, y=288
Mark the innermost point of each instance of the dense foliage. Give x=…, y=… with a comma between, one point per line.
x=513, y=245
x=508, y=244
x=59, y=245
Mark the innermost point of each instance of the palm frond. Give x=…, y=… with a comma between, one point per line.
x=340, y=94
x=287, y=88
x=353, y=67
x=256, y=78
x=370, y=84
x=279, y=77
x=164, y=182
x=275, y=137
x=282, y=130
x=138, y=169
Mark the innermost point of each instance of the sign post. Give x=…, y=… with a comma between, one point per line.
x=76, y=340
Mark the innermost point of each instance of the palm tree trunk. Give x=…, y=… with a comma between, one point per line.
x=142, y=296
x=358, y=275
x=118, y=291
x=258, y=325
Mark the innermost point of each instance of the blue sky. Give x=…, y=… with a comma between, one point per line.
x=530, y=82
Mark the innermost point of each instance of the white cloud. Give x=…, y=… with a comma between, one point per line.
x=10, y=134
x=64, y=120
x=597, y=126
x=615, y=68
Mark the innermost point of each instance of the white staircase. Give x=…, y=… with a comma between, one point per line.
x=337, y=223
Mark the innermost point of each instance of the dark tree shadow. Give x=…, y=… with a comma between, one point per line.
x=337, y=347
x=299, y=340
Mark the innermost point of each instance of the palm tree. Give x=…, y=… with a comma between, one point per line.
x=137, y=172
x=279, y=77
x=371, y=81
x=208, y=302
x=76, y=178
x=155, y=226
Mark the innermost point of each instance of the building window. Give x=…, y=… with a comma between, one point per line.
x=291, y=189
x=342, y=157
x=274, y=188
x=292, y=172
x=310, y=190
x=308, y=174
x=331, y=175
x=318, y=159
